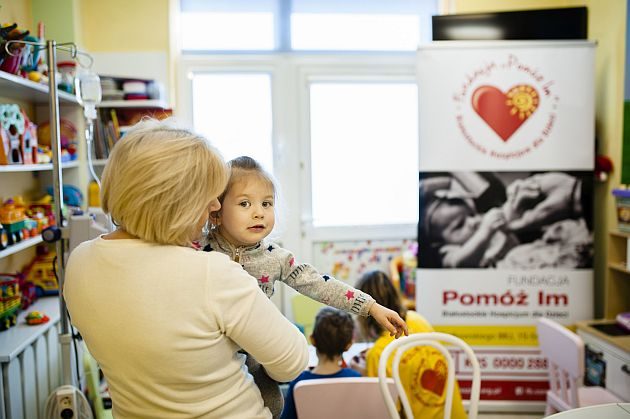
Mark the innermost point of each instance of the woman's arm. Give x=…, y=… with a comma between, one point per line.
x=251, y=320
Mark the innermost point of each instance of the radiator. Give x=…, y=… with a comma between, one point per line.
x=31, y=363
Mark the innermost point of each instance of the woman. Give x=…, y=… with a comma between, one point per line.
x=164, y=321
x=422, y=369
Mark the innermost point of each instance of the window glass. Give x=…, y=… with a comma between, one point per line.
x=234, y=111
x=364, y=148
x=354, y=32
x=360, y=25
x=234, y=25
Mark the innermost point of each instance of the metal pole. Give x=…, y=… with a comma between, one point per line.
x=55, y=141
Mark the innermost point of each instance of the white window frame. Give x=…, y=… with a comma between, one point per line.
x=290, y=77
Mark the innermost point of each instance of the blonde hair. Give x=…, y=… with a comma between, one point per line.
x=159, y=180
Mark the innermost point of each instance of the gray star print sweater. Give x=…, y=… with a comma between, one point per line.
x=268, y=263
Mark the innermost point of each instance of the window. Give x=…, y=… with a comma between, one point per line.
x=322, y=25
x=227, y=25
x=234, y=111
x=324, y=93
x=364, y=148
x=359, y=25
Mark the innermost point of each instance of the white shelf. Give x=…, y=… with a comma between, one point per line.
x=24, y=244
x=143, y=104
x=19, y=88
x=15, y=339
x=99, y=162
x=11, y=168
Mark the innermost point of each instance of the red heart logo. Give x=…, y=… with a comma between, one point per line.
x=505, y=112
x=434, y=379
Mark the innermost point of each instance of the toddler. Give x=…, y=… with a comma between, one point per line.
x=332, y=336
x=240, y=228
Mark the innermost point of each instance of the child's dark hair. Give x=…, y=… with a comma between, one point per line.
x=332, y=332
x=243, y=166
x=382, y=289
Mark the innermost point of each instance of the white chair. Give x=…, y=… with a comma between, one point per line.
x=564, y=351
x=348, y=398
x=433, y=339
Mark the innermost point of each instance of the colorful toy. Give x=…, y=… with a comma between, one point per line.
x=36, y=317
x=9, y=300
x=41, y=272
x=12, y=124
x=13, y=219
x=28, y=141
x=19, y=52
x=68, y=135
x=27, y=289
x=4, y=238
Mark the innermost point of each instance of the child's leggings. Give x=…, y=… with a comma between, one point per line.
x=269, y=389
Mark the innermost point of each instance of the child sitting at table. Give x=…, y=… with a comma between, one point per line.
x=332, y=336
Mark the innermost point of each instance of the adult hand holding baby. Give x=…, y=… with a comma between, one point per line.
x=540, y=199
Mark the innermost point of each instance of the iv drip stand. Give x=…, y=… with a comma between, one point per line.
x=65, y=336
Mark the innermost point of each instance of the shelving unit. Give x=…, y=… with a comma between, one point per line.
x=617, y=284
x=35, y=167
x=18, y=88
x=115, y=118
x=18, y=247
x=147, y=104
x=30, y=355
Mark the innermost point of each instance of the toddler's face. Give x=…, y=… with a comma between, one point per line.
x=454, y=222
x=247, y=213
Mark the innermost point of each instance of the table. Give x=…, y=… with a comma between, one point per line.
x=607, y=411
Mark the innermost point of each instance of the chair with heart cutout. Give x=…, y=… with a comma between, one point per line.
x=440, y=374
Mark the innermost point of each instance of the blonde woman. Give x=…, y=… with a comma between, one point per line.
x=164, y=321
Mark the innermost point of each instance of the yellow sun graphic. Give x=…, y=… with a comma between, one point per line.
x=523, y=101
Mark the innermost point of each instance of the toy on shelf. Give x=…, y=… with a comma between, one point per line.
x=36, y=317
x=19, y=52
x=72, y=196
x=19, y=136
x=68, y=136
x=13, y=219
x=27, y=289
x=41, y=272
x=43, y=211
x=9, y=300
x=12, y=126
x=67, y=71
x=4, y=238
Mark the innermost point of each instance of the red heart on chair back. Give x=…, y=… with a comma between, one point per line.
x=505, y=112
x=434, y=379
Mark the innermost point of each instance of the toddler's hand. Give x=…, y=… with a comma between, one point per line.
x=389, y=319
x=493, y=220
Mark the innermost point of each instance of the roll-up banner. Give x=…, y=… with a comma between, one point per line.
x=506, y=158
